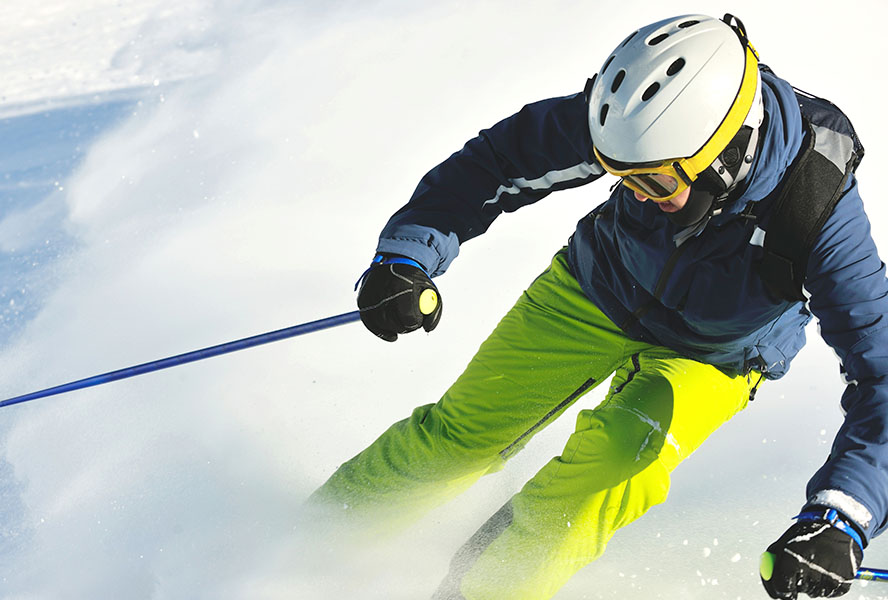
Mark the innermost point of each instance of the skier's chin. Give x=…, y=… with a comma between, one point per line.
x=668, y=207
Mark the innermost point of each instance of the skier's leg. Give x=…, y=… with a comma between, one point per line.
x=614, y=467
x=539, y=359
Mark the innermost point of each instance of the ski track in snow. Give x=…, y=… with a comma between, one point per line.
x=180, y=174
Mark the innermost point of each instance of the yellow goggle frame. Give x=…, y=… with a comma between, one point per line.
x=664, y=181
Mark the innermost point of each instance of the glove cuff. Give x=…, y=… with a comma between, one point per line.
x=388, y=259
x=834, y=518
x=853, y=510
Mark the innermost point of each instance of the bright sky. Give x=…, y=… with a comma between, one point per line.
x=259, y=149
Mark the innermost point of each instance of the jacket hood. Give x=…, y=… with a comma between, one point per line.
x=781, y=140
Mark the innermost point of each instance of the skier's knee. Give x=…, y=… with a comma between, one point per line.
x=452, y=442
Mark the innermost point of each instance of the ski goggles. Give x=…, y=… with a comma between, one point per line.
x=662, y=181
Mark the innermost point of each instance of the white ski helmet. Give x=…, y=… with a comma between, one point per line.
x=671, y=97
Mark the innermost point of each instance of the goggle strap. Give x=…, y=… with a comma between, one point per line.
x=681, y=172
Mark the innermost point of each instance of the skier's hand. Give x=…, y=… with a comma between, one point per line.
x=819, y=556
x=397, y=296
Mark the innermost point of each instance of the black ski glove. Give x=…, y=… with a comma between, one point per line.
x=819, y=556
x=397, y=296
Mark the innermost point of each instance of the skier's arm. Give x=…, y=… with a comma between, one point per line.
x=849, y=296
x=544, y=147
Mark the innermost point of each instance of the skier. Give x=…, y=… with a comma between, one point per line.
x=676, y=285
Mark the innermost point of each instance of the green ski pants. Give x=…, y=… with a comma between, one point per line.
x=553, y=346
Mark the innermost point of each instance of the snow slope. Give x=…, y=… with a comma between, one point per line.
x=179, y=174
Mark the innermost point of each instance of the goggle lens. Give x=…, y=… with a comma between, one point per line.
x=653, y=185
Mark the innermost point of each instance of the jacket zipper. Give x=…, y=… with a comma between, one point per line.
x=549, y=415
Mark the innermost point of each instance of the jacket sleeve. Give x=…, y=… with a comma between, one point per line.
x=849, y=296
x=544, y=147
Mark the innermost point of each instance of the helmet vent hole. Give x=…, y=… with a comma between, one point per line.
x=626, y=41
x=621, y=74
x=687, y=24
x=607, y=64
x=603, y=115
x=649, y=93
x=658, y=39
x=675, y=67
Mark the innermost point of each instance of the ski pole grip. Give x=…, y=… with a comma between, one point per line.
x=766, y=565
x=428, y=301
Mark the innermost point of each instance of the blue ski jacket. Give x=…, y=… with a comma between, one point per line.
x=703, y=297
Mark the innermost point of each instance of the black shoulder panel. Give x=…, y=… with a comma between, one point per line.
x=823, y=113
x=810, y=190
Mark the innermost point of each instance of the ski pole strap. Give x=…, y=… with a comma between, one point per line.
x=379, y=259
x=832, y=516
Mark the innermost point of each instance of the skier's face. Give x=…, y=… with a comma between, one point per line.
x=672, y=205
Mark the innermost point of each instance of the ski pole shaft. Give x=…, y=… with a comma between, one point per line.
x=181, y=359
x=868, y=574
x=766, y=568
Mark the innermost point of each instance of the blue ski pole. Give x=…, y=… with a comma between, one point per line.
x=872, y=574
x=766, y=568
x=181, y=359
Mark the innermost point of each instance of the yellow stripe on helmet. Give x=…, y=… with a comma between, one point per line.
x=731, y=124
